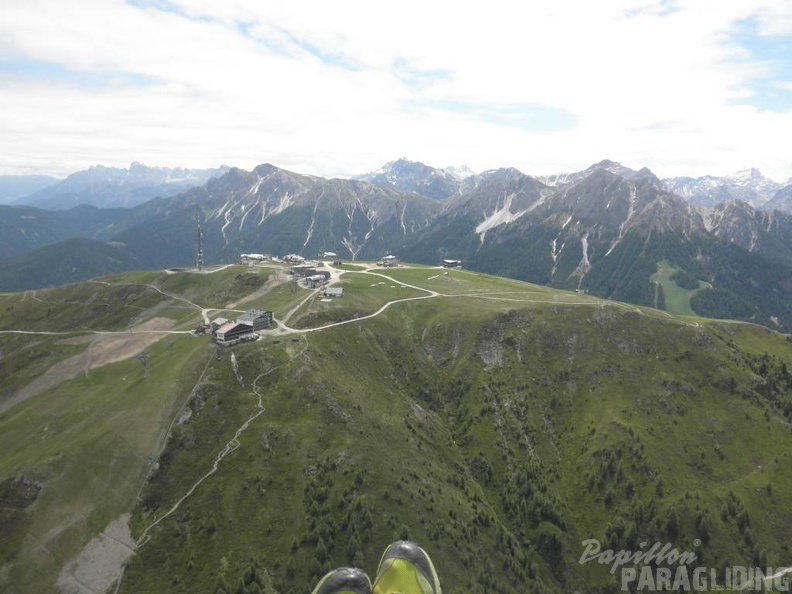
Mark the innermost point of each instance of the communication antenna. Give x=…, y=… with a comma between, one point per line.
x=199, y=263
x=143, y=358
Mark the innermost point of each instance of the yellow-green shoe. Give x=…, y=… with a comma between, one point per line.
x=405, y=568
x=346, y=580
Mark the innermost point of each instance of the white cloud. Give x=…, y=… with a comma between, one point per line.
x=321, y=87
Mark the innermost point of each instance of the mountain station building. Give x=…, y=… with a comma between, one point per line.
x=232, y=332
x=255, y=318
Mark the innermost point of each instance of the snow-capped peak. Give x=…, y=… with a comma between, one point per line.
x=748, y=185
x=459, y=171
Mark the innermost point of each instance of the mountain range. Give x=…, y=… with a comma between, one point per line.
x=607, y=230
x=746, y=186
x=109, y=187
x=104, y=187
x=497, y=423
x=16, y=187
x=413, y=176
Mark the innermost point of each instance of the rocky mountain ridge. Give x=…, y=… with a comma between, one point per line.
x=112, y=187
x=748, y=186
x=413, y=176
x=605, y=230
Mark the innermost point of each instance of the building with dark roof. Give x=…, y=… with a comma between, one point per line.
x=256, y=319
x=303, y=270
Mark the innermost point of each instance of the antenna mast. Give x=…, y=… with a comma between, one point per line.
x=199, y=263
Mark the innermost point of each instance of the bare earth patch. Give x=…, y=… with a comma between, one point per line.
x=99, y=564
x=102, y=350
x=273, y=281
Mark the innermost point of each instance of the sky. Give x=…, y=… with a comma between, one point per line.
x=686, y=87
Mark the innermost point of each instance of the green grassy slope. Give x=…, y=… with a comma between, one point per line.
x=499, y=434
x=364, y=294
x=677, y=299
x=82, y=447
x=90, y=444
x=498, y=423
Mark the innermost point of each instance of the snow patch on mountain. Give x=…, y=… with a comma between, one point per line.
x=711, y=219
x=460, y=172
x=500, y=216
x=414, y=176
x=255, y=187
x=585, y=264
x=309, y=234
x=285, y=202
x=748, y=185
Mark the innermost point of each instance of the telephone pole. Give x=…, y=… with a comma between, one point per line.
x=143, y=358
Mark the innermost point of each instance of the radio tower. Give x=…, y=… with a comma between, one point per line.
x=199, y=263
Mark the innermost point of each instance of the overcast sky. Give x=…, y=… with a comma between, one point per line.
x=337, y=88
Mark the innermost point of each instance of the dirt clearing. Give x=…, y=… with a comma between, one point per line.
x=99, y=564
x=102, y=350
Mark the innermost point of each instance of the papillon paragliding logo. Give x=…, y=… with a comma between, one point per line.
x=662, y=567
